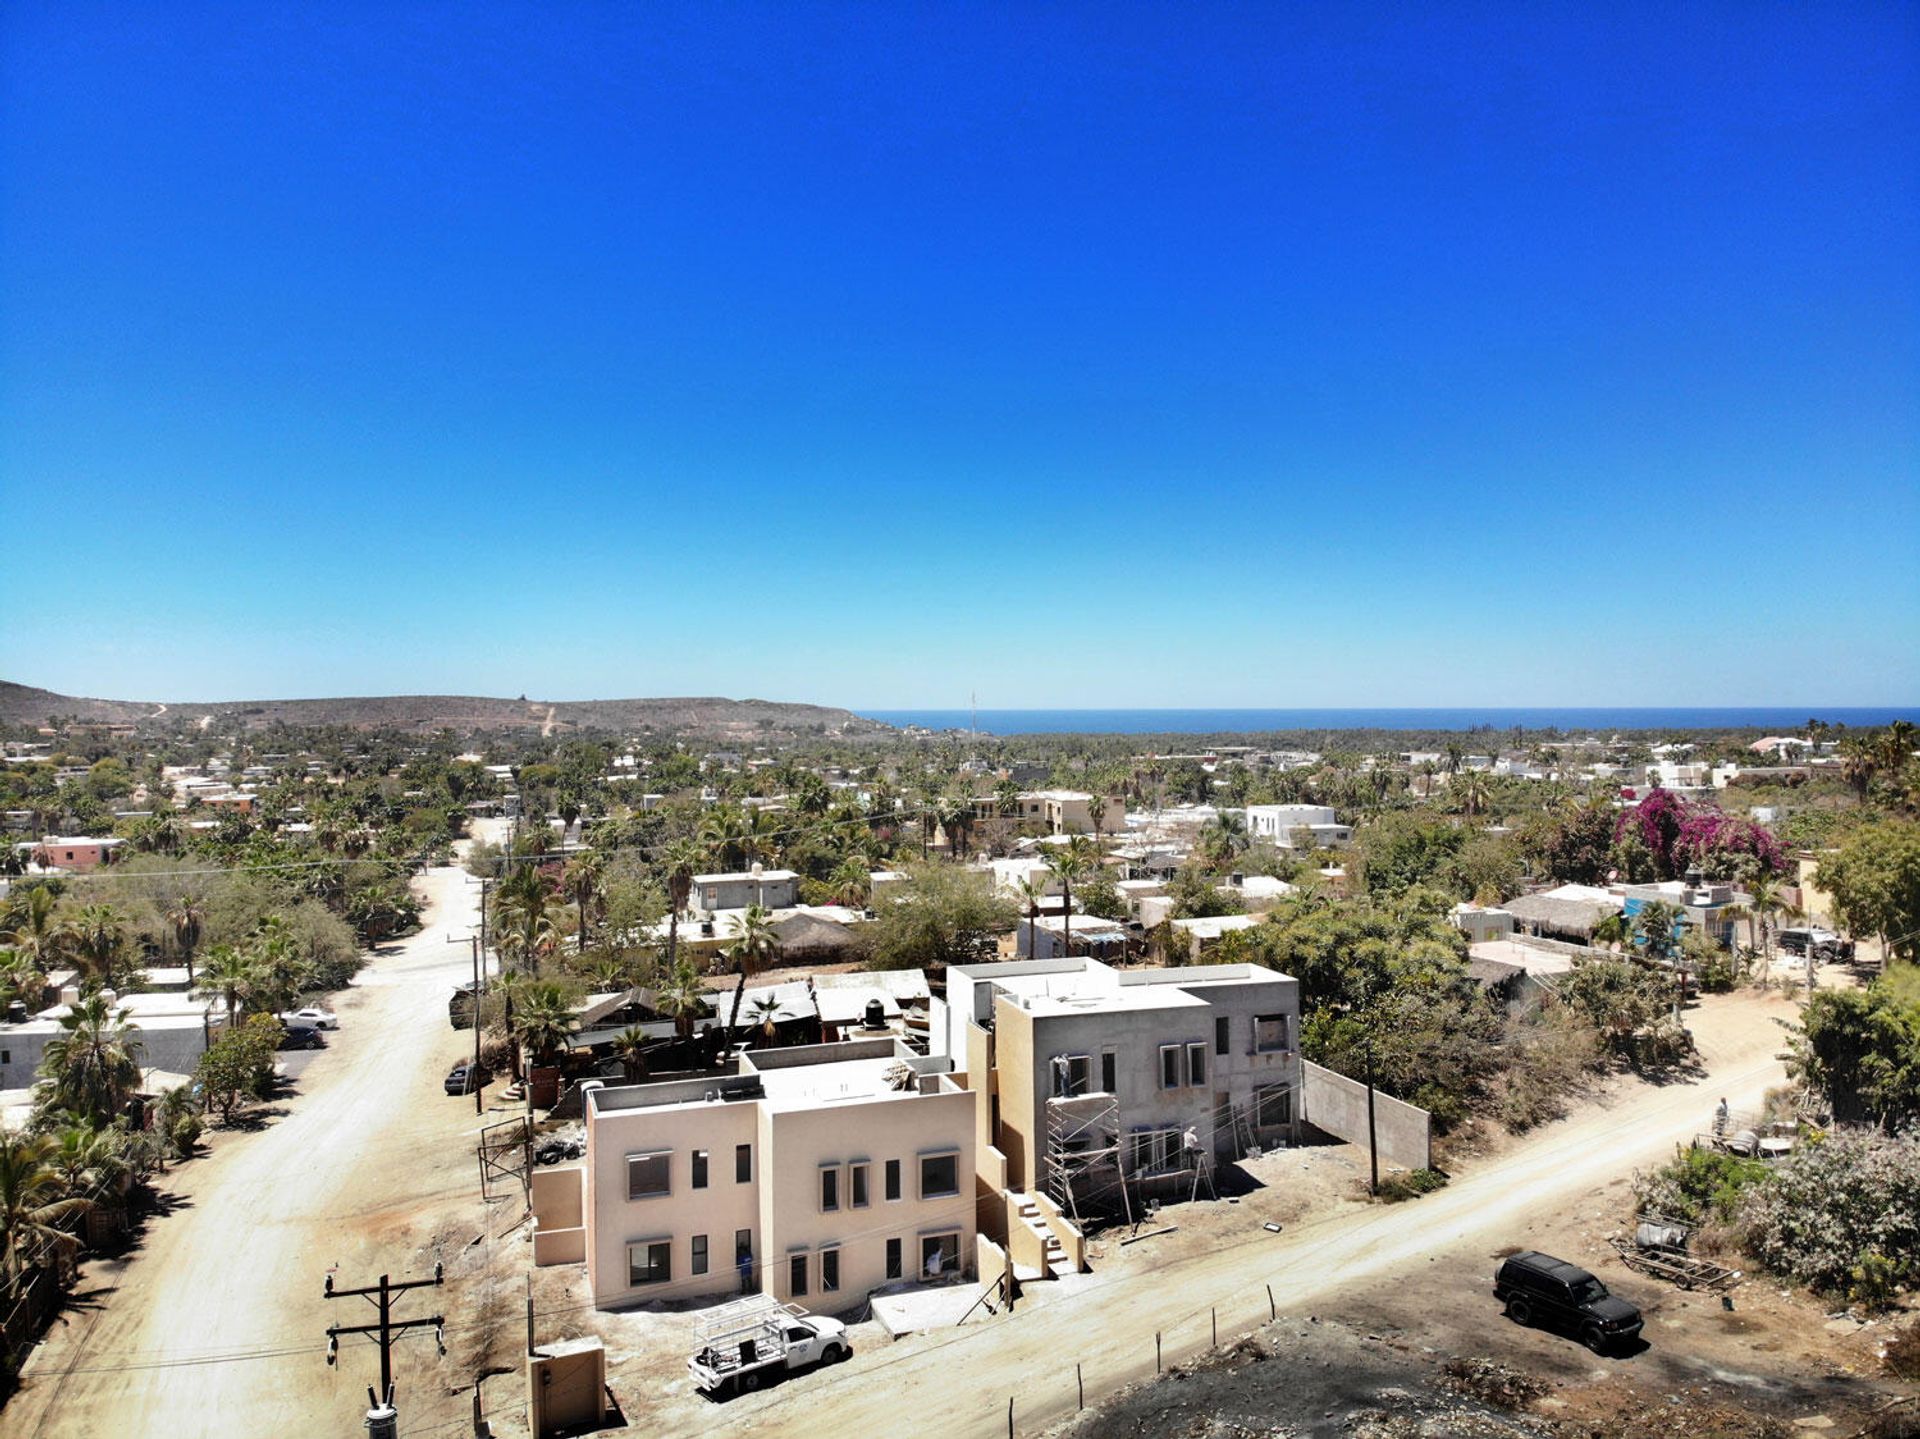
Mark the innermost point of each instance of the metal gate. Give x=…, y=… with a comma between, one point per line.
x=506, y=1159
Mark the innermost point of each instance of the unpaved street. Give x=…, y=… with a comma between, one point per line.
x=959, y=1381
x=216, y=1324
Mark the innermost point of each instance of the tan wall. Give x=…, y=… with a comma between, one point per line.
x=1013, y=1063
x=557, y=1195
x=903, y=1128
x=990, y=1183
x=1024, y=1245
x=1338, y=1105
x=566, y=1391
x=558, y=1234
x=716, y=1211
x=991, y=1263
x=1069, y=1238
x=1814, y=901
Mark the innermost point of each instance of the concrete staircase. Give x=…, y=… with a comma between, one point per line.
x=1057, y=1263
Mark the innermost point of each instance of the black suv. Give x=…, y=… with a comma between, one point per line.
x=1539, y=1289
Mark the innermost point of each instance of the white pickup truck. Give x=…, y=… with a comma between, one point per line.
x=745, y=1343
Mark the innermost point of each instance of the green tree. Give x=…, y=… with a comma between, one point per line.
x=1070, y=862
x=681, y=997
x=1032, y=891
x=185, y=916
x=38, y=931
x=753, y=949
x=91, y=1068
x=98, y=933
x=1860, y=1049
x=630, y=1048
x=543, y=1019
x=1874, y=879
x=943, y=915
x=1656, y=926
x=238, y=1065
x=228, y=974
x=581, y=881
x=681, y=862
x=34, y=1207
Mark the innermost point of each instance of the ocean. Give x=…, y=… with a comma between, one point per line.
x=1244, y=721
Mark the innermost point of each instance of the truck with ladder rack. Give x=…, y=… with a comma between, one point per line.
x=747, y=1342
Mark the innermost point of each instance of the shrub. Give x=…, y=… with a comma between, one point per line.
x=1411, y=1185
x=1699, y=1185
x=1842, y=1215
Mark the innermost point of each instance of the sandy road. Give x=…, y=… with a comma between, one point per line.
x=958, y=1382
x=369, y=1157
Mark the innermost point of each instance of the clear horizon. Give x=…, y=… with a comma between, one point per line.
x=1380, y=357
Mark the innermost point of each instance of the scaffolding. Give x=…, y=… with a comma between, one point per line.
x=1083, y=1151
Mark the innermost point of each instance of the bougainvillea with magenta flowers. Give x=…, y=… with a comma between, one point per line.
x=1657, y=820
x=1725, y=846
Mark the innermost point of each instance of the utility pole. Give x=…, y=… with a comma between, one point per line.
x=479, y=1105
x=383, y=1420
x=1373, y=1145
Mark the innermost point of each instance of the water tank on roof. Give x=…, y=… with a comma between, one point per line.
x=876, y=1014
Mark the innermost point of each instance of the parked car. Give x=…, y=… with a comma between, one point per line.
x=559, y=1148
x=467, y=1077
x=1541, y=1290
x=1827, y=946
x=313, y=1017
x=300, y=1036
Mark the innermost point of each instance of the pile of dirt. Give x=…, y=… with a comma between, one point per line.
x=1492, y=1382
x=1693, y=1417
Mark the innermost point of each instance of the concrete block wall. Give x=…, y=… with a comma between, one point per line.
x=1338, y=1105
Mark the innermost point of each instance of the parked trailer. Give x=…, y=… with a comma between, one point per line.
x=747, y=1342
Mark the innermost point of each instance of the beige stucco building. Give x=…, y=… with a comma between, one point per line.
x=1095, y=1075
x=815, y=1174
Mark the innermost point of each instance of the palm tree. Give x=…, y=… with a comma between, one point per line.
x=1097, y=812
x=229, y=974
x=1031, y=892
x=543, y=1020
x=1069, y=862
x=582, y=881
x=1896, y=746
x=1763, y=902
x=1859, y=763
x=39, y=932
x=681, y=997
x=1613, y=929
x=89, y=1157
x=91, y=1068
x=630, y=1048
x=1654, y=925
x=753, y=948
x=97, y=935
x=1475, y=794
x=32, y=1205
x=681, y=860
x=184, y=919
x=852, y=883
x=766, y=1015
x=19, y=980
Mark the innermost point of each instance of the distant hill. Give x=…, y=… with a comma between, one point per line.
x=724, y=718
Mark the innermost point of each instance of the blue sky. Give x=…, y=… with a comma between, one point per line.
x=1072, y=355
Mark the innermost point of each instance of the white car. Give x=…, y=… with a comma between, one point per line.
x=313, y=1017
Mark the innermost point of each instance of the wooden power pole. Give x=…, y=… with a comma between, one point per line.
x=383, y=1420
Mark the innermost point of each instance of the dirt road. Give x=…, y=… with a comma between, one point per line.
x=959, y=1381
x=216, y=1324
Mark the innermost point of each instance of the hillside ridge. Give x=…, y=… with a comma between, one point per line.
x=24, y=704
